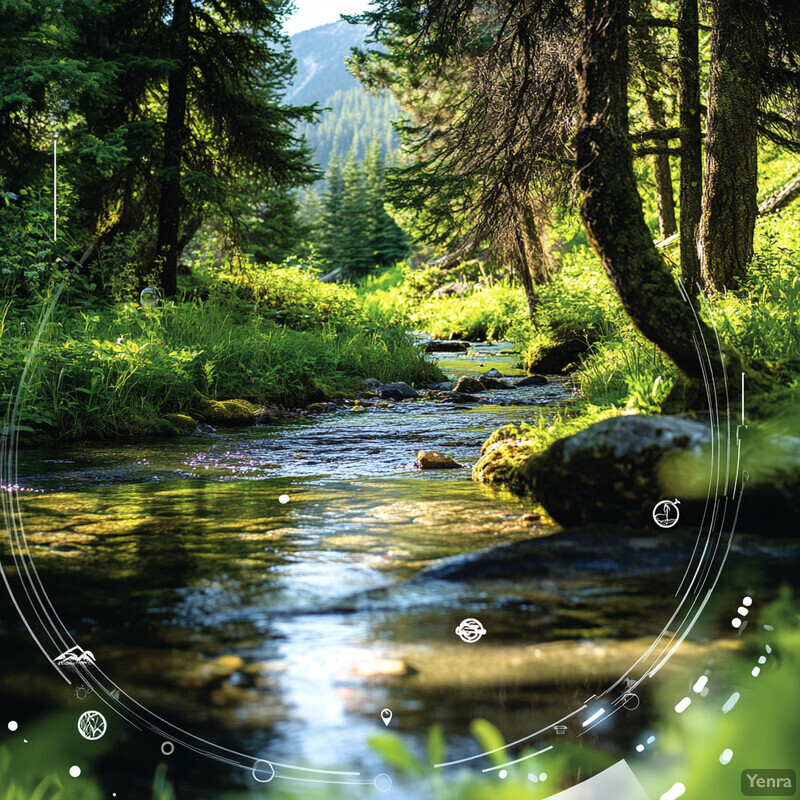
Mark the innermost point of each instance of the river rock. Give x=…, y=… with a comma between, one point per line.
x=372, y=383
x=432, y=459
x=533, y=380
x=493, y=373
x=612, y=472
x=468, y=385
x=493, y=383
x=397, y=391
x=444, y=386
x=442, y=346
x=596, y=550
x=226, y=412
x=268, y=415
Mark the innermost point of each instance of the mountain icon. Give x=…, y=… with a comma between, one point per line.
x=76, y=655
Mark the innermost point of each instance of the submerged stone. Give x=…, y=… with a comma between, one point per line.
x=533, y=380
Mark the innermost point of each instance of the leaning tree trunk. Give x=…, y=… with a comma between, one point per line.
x=611, y=208
x=171, y=201
x=727, y=225
x=691, y=176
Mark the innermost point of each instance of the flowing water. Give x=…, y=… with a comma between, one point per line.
x=282, y=629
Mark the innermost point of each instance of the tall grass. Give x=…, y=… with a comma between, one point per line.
x=116, y=370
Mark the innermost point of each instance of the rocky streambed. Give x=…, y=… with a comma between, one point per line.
x=275, y=587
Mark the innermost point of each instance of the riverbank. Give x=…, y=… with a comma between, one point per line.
x=273, y=337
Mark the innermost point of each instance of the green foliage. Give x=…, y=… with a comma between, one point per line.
x=28, y=256
x=349, y=222
x=265, y=335
x=762, y=319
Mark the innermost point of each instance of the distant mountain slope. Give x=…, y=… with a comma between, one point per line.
x=356, y=117
x=320, y=54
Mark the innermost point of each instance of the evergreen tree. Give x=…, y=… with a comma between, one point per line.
x=387, y=241
x=230, y=63
x=355, y=254
x=330, y=231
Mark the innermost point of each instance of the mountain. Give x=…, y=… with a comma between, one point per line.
x=355, y=117
x=320, y=54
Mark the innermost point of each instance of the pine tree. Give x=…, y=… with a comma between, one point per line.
x=355, y=254
x=330, y=229
x=387, y=241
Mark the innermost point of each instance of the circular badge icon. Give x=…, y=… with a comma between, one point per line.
x=470, y=630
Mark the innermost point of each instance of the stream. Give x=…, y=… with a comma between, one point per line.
x=282, y=629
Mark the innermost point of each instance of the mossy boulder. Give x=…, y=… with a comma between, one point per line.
x=559, y=352
x=615, y=470
x=183, y=422
x=231, y=413
x=502, y=455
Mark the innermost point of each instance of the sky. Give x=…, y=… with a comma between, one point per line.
x=311, y=13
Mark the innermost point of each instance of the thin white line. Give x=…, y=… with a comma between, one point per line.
x=510, y=744
x=517, y=761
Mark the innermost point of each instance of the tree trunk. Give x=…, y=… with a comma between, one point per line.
x=652, y=73
x=527, y=247
x=611, y=208
x=691, y=177
x=727, y=225
x=171, y=201
x=662, y=173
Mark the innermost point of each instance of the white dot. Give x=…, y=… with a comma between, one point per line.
x=747, y=601
x=12, y=726
x=767, y=648
x=502, y=774
x=736, y=622
x=542, y=776
x=284, y=499
x=726, y=756
x=75, y=772
x=639, y=748
x=533, y=778
x=756, y=672
x=742, y=611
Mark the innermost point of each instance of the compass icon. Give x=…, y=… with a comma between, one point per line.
x=666, y=513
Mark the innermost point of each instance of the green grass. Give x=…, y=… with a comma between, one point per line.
x=270, y=337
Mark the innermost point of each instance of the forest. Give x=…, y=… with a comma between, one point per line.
x=276, y=374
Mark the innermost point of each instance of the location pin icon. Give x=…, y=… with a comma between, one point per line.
x=386, y=716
